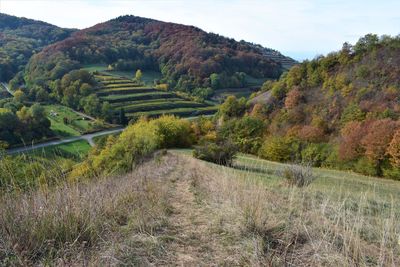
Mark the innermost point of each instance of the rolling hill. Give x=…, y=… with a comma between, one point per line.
x=20, y=38
x=187, y=57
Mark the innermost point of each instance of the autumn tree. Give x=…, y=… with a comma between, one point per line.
x=394, y=149
x=350, y=147
x=311, y=134
x=376, y=141
x=292, y=98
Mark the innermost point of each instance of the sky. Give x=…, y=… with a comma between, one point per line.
x=301, y=29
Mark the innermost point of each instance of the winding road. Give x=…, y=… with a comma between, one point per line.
x=6, y=87
x=87, y=137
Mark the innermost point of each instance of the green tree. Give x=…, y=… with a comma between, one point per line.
x=138, y=76
x=91, y=105
x=106, y=111
x=215, y=81
x=122, y=117
x=277, y=149
x=20, y=96
x=232, y=107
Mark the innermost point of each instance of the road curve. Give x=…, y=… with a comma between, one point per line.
x=8, y=89
x=87, y=137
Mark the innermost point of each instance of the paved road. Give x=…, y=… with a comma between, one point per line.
x=87, y=137
x=8, y=89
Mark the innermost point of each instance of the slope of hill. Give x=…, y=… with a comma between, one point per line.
x=136, y=100
x=346, y=105
x=20, y=38
x=285, y=61
x=176, y=210
x=187, y=57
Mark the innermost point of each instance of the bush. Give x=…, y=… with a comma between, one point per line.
x=277, y=149
x=136, y=143
x=222, y=153
x=299, y=175
x=316, y=154
x=246, y=133
x=366, y=166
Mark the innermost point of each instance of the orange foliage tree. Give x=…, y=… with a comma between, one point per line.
x=292, y=98
x=394, y=149
x=350, y=146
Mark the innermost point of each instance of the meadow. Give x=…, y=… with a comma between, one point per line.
x=66, y=123
x=147, y=78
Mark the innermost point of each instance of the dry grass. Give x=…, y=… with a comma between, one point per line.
x=68, y=223
x=178, y=211
x=293, y=226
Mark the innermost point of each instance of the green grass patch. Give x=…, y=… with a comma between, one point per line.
x=76, y=150
x=124, y=91
x=77, y=125
x=221, y=94
x=139, y=96
x=162, y=105
x=333, y=183
x=148, y=77
x=129, y=103
x=181, y=112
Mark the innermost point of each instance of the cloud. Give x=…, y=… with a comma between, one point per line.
x=301, y=28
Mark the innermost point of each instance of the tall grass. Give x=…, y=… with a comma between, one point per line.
x=291, y=226
x=67, y=223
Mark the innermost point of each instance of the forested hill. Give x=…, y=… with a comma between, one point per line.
x=187, y=56
x=20, y=38
x=344, y=108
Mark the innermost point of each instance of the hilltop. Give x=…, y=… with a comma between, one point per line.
x=20, y=38
x=187, y=57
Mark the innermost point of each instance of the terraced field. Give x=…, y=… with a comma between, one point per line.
x=138, y=100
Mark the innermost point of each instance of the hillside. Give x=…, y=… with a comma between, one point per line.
x=341, y=110
x=178, y=211
x=187, y=57
x=138, y=100
x=20, y=38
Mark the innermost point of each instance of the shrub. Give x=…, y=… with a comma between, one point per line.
x=222, y=152
x=316, y=154
x=136, y=143
x=366, y=166
x=299, y=175
x=277, y=149
x=392, y=173
x=246, y=133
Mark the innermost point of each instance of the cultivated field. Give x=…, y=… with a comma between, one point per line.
x=138, y=100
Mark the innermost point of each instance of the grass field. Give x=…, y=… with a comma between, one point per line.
x=75, y=150
x=148, y=77
x=330, y=181
x=221, y=94
x=77, y=125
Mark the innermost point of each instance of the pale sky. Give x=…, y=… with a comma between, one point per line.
x=298, y=28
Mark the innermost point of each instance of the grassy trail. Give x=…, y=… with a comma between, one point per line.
x=175, y=210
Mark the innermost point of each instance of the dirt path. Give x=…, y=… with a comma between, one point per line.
x=192, y=224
